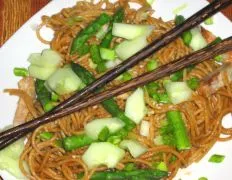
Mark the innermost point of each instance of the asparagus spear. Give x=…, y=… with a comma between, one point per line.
x=78, y=44
x=144, y=174
x=179, y=130
x=43, y=95
x=118, y=17
x=96, y=58
x=110, y=105
x=73, y=142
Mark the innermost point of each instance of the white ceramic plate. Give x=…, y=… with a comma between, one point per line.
x=14, y=53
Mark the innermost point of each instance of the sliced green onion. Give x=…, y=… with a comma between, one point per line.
x=203, y=178
x=209, y=21
x=176, y=76
x=216, y=158
x=161, y=166
x=130, y=167
x=164, y=98
x=74, y=19
x=155, y=96
x=151, y=65
x=126, y=76
x=218, y=58
x=54, y=97
x=187, y=37
x=179, y=19
x=49, y=106
x=104, y=134
x=193, y=83
x=46, y=136
x=21, y=72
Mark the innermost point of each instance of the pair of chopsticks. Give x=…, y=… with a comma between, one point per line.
x=78, y=101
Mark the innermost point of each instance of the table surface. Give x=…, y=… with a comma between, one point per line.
x=14, y=13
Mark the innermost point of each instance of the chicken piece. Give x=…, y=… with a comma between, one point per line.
x=26, y=84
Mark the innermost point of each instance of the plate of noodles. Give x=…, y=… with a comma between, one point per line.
x=175, y=128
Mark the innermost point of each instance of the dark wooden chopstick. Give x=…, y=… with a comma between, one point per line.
x=162, y=71
x=194, y=20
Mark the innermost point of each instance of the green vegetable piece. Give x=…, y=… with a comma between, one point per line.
x=107, y=54
x=179, y=130
x=74, y=142
x=117, y=17
x=218, y=58
x=151, y=65
x=162, y=166
x=163, y=98
x=49, y=106
x=130, y=167
x=88, y=32
x=126, y=76
x=96, y=58
x=101, y=67
x=187, y=37
x=95, y=54
x=152, y=89
x=144, y=174
x=179, y=19
x=193, y=83
x=118, y=136
x=177, y=76
x=203, y=178
x=55, y=97
x=216, y=158
x=43, y=95
x=104, y=134
x=209, y=21
x=216, y=41
x=155, y=96
x=20, y=72
x=46, y=136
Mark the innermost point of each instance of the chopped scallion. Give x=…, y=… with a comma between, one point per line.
x=176, y=76
x=21, y=72
x=163, y=98
x=126, y=76
x=179, y=19
x=49, y=106
x=151, y=65
x=193, y=83
x=216, y=158
x=107, y=54
x=46, y=136
x=187, y=37
x=203, y=178
x=209, y=21
x=161, y=166
x=218, y=58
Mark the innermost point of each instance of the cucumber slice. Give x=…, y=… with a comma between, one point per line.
x=40, y=72
x=128, y=48
x=135, y=148
x=130, y=31
x=64, y=81
x=135, y=106
x=93, y=128
x=111, y=64
x=9, y=158
x=144, y=128
x=198, y=41
x=48, y=58
x=102, y=153
x=178, y=92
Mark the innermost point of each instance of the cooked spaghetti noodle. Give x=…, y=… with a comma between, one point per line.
x=202, y=113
